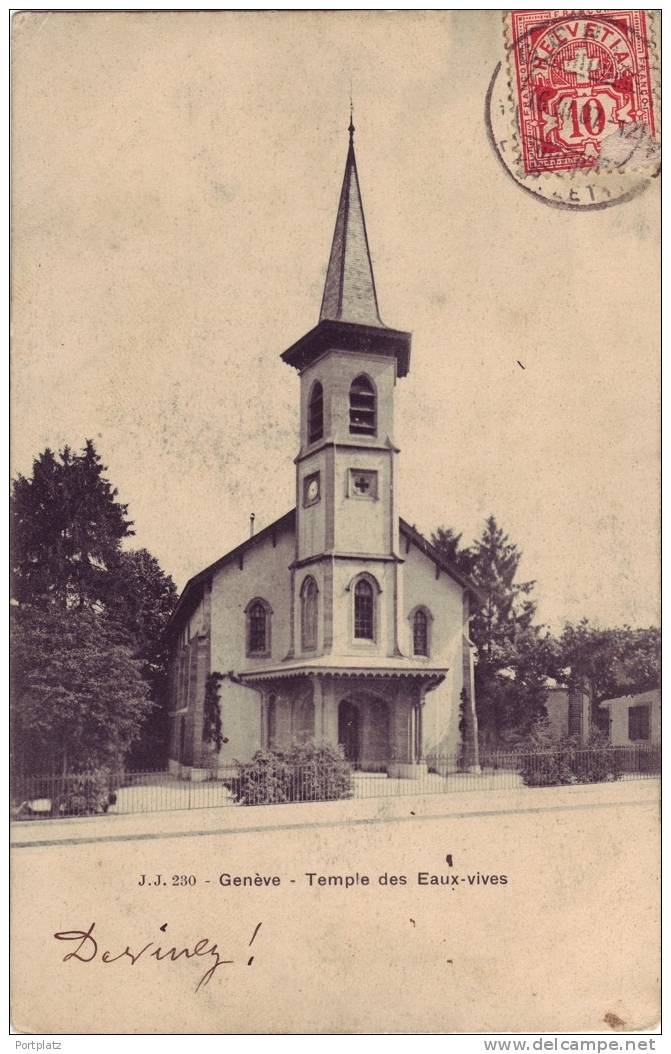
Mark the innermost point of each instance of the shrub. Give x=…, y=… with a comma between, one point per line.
x=83, y=795
x=596, y=762
x=551, y=768
x=305, y=772
x=555, y=761
x=320, y=773
x=265, y=780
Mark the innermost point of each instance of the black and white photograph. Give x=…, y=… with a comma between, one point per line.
x=335, y=702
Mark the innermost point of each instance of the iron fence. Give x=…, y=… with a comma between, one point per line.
x=114, y=793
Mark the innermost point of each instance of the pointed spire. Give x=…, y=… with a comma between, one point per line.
x=349, y=291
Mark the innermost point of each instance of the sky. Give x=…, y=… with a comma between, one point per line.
x=175, y=184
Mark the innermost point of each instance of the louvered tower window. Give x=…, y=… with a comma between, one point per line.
x=316, y=413
x=362, y=411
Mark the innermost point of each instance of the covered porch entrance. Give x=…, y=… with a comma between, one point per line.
x=374, y=718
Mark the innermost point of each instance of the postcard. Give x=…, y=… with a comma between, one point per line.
x=335, y=522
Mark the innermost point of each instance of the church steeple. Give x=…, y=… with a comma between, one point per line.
x=349, y=318
x=349, y=291
x=347, y=522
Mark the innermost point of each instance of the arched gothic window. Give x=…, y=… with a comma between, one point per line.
x=257, y=628
x=364, y=610
x=316, y=413
x=362, y=409
x=420, y=633
x=258, y=614
x=309, y=613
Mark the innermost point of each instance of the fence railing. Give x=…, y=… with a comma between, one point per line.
x=113, y=793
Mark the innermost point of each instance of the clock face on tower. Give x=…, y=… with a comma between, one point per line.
x=311, y=489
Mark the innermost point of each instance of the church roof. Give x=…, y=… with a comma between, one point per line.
x=288, y=522
x=349, y=291
x=425, y=546
x=356, y=666
x=349, y=336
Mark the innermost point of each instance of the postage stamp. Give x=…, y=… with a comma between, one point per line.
x=579, y=80
x=573, y=109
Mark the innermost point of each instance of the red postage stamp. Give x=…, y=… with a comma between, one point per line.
x=582, y=77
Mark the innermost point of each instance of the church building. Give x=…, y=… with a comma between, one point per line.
x=339, y=622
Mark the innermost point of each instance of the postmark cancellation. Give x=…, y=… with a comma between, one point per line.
x=574, y=110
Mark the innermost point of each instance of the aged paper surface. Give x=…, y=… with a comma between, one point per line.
x=175, y=183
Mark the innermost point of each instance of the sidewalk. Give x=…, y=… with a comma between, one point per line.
x=239, y=819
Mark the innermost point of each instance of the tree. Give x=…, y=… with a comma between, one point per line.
x=640, y=657
x=514, y=657
x=512, y=653
x=505, y=607
x=78, y=696
x=611, y=662
x=66, y=529
x=448, y=543
x=141, y=599
x=511, y=698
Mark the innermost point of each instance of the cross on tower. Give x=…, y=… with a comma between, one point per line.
x=582, y=65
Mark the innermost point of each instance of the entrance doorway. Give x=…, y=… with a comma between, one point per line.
x=349, y=729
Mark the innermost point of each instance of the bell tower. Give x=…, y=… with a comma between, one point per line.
x=346, y=515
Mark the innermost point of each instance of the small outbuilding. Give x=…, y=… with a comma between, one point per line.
x=635, y=720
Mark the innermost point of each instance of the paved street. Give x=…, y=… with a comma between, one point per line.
x=522, y=910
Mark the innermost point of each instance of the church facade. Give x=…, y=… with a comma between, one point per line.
x=339, y=622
